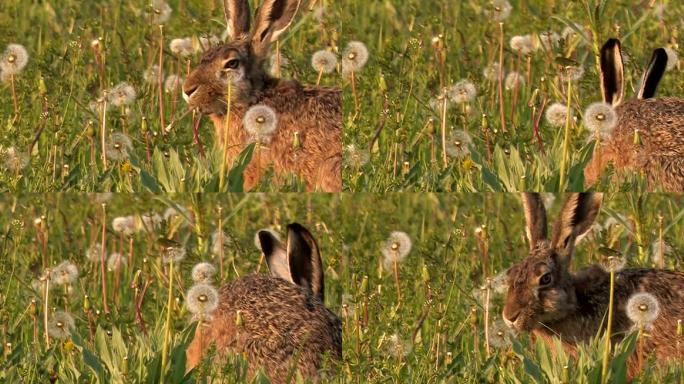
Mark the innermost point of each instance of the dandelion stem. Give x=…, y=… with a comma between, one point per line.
x=502, y=112
x=46, y=308
x=395, y=268
x=167, y=326
x=443, y=129
x=220, y=239
x=14, y=95
x=229, y=98
x=356, y=98
x=102, y=260
x=609, y=326
x=320, y=76
x=566, y=142
x=103, y=133
x=160, y=79
x=486, y=317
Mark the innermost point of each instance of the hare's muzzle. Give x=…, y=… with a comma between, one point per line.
x=510, y=323
x=187, y=92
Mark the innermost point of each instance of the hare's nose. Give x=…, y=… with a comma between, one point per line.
x=510, y=322
x=189, y=91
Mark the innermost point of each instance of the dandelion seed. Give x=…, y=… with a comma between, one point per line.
x=458, y=144
x=600, y=118
x=260, y=121
x=396, y=248
x=94, y=252
x=14, y=59
x=659, y=250
x=500, y=282
x=491, y=72
x=514, y=80
x=14, y=160
x=522, y=44
x=549, y=40
x=499, y=10
x=399, y=347
x=151, y=74
x=354, y=57
x=124, y=224
x=60, y=325
x=613, y=263
x=500, y=335
x=355, y=157
x=462, y=92
x=278, y=62
x=202, y=299
x=319, y=13
x=122, y=94
x=642, y=309
x=324, y=61
x=219, y=240
x=203, y=273
x=118, y=146
x=273, y=233
x=5, y=77
x=175, y=254
x=116, y=261
x=672, y=59
x=571, y=73
x=172, y=83
x=206, y=43
x=160, y=12
x=182, y=47
x=64, y=273
x=557, y=114
x=150, y=221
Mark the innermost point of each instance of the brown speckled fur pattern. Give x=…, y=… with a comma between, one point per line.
x=285, y=328
x=314, y=112
x=572, y=307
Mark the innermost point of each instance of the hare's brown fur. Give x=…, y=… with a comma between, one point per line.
x=284, y=328
x=314, y=113
x=660, y=155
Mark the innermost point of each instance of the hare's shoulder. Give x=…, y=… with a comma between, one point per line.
x=666, y=285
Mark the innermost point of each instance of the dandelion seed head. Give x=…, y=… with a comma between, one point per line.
x=121, y=94
x=64, y=273
x=672, y=58
x=522, y=44
x=203, y=272
x=491, y=72
x=172, y=83
x=601, y=119
x=182, y=47
x=557, y=114
x=60, y=325
x=571, y=73
x=458, y=144
x=151, y=74
x=116, y=261
x=356, y=157
x=261, y=121
x=175, y=254
x=549, y=40
x=613, y=263
x=219, y=241
x=13, y=159
x=94, y=252
x=463, y=91
x=278, y=62
x=124, y=224
x=659, y=249
x=396, y=247
x=324, y=61
x=118, y=146
x=514, y=80
x=208, y=42
x=398, y=347
x=150, y=221
x=498, y=10
x=500, y=282
x=160, y=12
x=202, y=299
x=14, y=59
x=354, y=57
x=642, y=309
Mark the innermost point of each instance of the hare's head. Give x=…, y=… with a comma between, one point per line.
x=297, y=261
x=540, y=288
x=237, y=66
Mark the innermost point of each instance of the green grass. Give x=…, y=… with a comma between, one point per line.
x=436, y=334
x=404, y=74
x=63, y=76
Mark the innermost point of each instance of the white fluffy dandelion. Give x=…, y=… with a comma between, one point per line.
x=660, y=249
x=14, y=59
x=514, y=80
x=355, y=157
x=557, y=114
x=14, y=159
x=498, y=10
x=150, y=221
x=463, y=91
x=549, y=40
x=396, y=248
x=118, y=146
x=600, y=118
x=173, y=253
x=121, y=94
x=202, y=299
x=172, y=83
x=571, y=73
x=522, y=44
x=398, y=347
x=491, y=72
x=116, y=261
x=642, y=309
x=260, y=121
x=500, y=335
x=64, y=273
x=458, y=144
x=124, y=225
x=278, y=62
x=182, y=47
x=219, y=241
x=60, y=325
x=159, y=12
x=354, y=57
x=94, y=252
x=203, y=272
x=324, y=61
x=151, y=74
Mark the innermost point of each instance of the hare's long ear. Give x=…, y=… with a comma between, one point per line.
x=535, y=218
x=275, y=255
x=612, y=72
x=272, y=19
x=306, y=268
x=654, y=72
x=237, y=18
x=576, y=217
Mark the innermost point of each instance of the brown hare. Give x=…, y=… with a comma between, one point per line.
x=547, y=299
x=307, y=140
x=285, y=327
x=660, y=125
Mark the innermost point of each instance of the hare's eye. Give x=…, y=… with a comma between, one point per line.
x=545, y=279
x=231, y=64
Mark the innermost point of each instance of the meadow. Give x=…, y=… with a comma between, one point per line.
x=92, y=85
x=430, y=322
x=455, y=95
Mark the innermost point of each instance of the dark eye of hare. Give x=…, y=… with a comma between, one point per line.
x=231, y=64
x=545, y=279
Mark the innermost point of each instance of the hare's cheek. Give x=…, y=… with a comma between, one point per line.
x=553, y=300
x=233, y=77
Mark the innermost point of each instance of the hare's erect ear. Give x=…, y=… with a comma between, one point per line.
x=272, y=19
x=306, y=268
x=576, y=218
x=612, y=72
x=275, y=254
x=654, y=72
x=535, y=218
x=237, y=17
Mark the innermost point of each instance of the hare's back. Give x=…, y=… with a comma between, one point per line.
x=660, y=123
x=667, y=286
x=278, y=318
